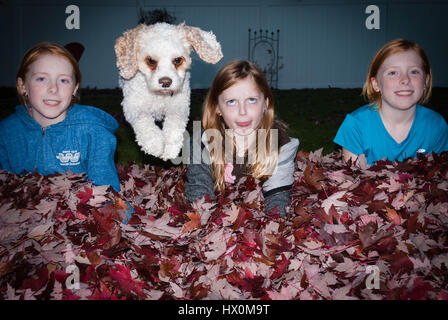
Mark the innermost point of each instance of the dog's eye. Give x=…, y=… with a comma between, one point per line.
x=178, y=61
x=151, y=61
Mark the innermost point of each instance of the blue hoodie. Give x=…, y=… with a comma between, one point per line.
x=83, y=142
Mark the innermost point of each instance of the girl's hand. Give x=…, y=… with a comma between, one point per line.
x=346, y=155
x=228, y=173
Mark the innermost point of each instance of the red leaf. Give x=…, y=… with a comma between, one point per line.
x=345, y=217
x=334, y=213
x=419, y=291
x=280, y=267
x=243, y=215
x=404, y=177
x=123, y=276
x=175, y=211
x=365, y=191
x=412, y=223
x=134, y=220
x=68, y=295
x=323, y=216
x=386, y=245
x=60, y=275
x=106, y=218
x=109, y=229
x=368, y=234
x=36, y=282
x=376, y=206
x=253, y=285
x=139, y=211
x=85, y=196
x=102, y=293
x=400, y=262
x=139, y=183
x=300, y=234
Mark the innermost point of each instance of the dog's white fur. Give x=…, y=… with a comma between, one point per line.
x=161, y=90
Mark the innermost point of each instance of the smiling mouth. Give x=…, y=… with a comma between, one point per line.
x=52, y=103
x=404, y=93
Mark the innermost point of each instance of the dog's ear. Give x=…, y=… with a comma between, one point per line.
x=126, y=52
x=205, y=44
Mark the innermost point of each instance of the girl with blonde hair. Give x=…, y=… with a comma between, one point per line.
x=242, y=137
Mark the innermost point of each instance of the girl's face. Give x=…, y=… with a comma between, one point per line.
x=242, y=106
x=401, y=80
x=49, y=85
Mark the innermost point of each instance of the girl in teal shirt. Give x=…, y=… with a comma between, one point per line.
x=394, y=125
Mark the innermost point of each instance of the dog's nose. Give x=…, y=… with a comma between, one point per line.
x=165, y=82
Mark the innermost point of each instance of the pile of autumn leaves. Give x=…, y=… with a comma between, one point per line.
x=354, y=232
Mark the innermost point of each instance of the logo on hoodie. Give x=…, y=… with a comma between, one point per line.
x=69, y=158
x=421, y=150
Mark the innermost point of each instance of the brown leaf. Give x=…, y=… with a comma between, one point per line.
x=392, y=216
x=114, y=237
x=300, y=234
x=412, y=223
x=195, y=222
x=368, y=235
x=376, y=206
x=365, y=234
x=400, y=262
x=365, y=191
x=198, y=291
x=314, y=177
x=323, y=216
x=302, y=155
x=94, y=258
x=386, y=245
x=303, y=217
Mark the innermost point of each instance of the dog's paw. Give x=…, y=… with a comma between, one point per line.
x=153, y=147
x=171, y=151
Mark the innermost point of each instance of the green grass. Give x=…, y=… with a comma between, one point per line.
x=312, y=115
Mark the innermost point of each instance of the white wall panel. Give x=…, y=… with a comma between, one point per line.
x=322, y=43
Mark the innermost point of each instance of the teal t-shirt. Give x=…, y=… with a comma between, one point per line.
x=363, y=132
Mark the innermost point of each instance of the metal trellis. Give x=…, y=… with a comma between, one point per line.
x=263, y=50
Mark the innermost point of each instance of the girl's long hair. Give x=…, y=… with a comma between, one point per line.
x=227, y=76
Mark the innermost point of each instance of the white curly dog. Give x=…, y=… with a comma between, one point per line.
x=153, y=62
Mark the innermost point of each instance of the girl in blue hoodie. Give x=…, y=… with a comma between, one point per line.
x=49, y=133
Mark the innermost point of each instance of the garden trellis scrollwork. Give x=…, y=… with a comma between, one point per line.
x=263, y=50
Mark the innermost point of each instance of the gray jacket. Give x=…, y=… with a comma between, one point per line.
x=276, y=189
